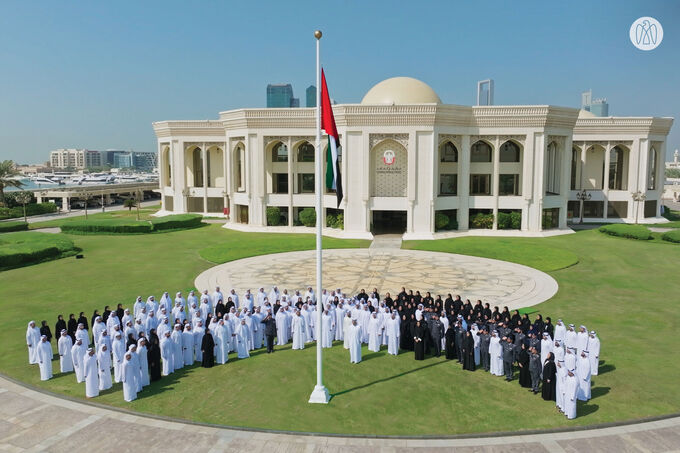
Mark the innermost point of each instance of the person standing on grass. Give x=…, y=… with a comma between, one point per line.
x=91, y=374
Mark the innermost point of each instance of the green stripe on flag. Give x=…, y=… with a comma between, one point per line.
x=330, y=175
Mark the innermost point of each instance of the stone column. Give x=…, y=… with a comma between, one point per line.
x=65, y=205
x=204, y=162
x=289, y=145
x=464, y=184
x=605, y=182
x=495, y=178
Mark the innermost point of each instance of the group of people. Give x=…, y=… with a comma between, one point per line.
x=155, y=338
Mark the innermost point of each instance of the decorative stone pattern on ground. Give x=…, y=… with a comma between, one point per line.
x=32, y=421
x=497, y=282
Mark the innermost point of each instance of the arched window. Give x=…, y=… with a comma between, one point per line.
x=480, y=152
x=575, y=158
x=305, y=153
x=280, y=153
x=651, y=169
x=449, y=152
x=510, y=152
x=616, y=169
x=552, y=169
x=239, y=168
x=198, y=167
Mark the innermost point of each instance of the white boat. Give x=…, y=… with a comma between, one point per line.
x=42, y=180
x=95, y=179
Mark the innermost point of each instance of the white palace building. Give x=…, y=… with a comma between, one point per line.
x=406, y=156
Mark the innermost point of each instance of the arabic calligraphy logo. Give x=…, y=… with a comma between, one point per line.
x=389, y=157
x=646, y=33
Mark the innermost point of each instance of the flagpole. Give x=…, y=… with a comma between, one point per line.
x=320, y=393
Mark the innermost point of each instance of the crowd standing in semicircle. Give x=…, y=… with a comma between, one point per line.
x=156, y=338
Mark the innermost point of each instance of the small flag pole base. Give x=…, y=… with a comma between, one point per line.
x=319, y=395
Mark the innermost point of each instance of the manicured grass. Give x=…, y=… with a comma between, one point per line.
x=7, y=227
x=626, y=290
x=25, y=248
x=534, y=252
x=96, y=214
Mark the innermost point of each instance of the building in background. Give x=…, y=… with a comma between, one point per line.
x=597, y=107
x=409, y=159
x=311, y=96
x=295, y=102
x=75, y=158
x=280, y=95
x=129, y=159
x=485, y=92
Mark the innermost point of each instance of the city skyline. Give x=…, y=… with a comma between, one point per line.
x=97, y=75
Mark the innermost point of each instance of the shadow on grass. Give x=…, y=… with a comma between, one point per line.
x=359, y=387
x=586, y=409
x=599, y=391
x=605, y=368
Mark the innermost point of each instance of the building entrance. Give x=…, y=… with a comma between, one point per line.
x=389, y=222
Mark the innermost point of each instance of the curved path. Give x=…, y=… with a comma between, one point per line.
x=388, y=269
x=36, y=421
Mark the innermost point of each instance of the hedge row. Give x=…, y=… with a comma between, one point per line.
x=23, y=248
x=176, y=222
x=6, y=227
x=640, y=232
x=31, y=209
x=125, y=226
x=671, y=236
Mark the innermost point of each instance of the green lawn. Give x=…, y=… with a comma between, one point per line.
x=627, y=290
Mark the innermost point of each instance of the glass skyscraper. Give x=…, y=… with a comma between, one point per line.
x=311, y=96
x=279, y=95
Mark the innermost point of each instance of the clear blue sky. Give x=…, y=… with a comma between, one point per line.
x=95, y=75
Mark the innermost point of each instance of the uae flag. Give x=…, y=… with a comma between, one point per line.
x=333, y=179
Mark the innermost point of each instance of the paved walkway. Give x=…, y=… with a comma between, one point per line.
x=387, y=268
x=33, y=421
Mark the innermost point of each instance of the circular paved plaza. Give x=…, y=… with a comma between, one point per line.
x=497, y=282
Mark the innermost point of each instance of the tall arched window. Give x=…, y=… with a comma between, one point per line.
x=510, y=152
x=552, y=169
x=480, y=152
x=239, y=168
x=616, y=169
x=305, y=152
x=651, y=169
x=449, y=152
x=198, y=167
x=575, y=159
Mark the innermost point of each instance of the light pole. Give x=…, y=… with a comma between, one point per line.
x=638, y=197
x=581, y=196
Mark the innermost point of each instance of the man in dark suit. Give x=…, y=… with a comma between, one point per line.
x=269, y=331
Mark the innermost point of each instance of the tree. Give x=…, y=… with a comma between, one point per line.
x=24, y=198
x=86, y=197
x=673, y=173
x=8, y=174
x=129, y=203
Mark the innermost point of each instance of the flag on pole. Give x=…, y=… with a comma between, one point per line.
x=333, y=179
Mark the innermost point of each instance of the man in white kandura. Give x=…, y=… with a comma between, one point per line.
x=45, y=358
x=354, y=336
x=346, y=324
x=64, y=346
x=327, y=326
x=242, y=336
x=392, y=332
x=299, y=331
x=583, y=374
x=129, y=379
x=570, y=392
x=594, y=352
x=78, y=352
x=104, y=360
x=167, y=354
x=374, y=332
x=32, y=341
x=91, y=374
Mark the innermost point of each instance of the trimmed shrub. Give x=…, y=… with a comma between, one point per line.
x=504, y=221
x=177, y=222
x=639, y=232
x=441, y=220
x=31, y=209
x=307, y=217
x=671, y=236
x=273, y=216
x=516, y=220
x=104, y=226
x=24, y=248
x=482, y=221
x=6, y=227
x=339, y=222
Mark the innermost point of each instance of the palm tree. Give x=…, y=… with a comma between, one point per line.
x=24, y=198
x=8, y=172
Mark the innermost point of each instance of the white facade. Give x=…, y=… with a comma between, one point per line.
x=407, y=156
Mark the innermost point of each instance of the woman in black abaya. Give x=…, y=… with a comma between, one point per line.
x=549, y=373
x=154, y=356
x=523, y=360
x=208, y=350
x=419, y=340
x=468, y=352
